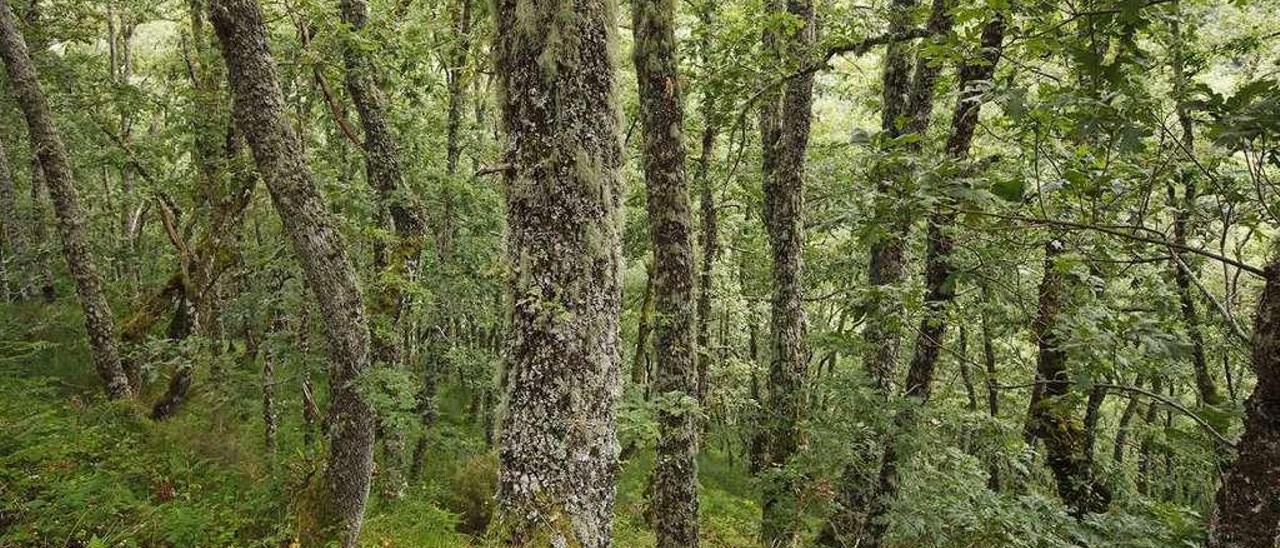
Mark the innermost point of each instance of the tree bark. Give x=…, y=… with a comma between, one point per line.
x=675, y=475
x=1245, y=511
x=258, y=108
x=708, y=242
x=787, y=399
x=15, y=281
x=559, y=452
x=99, y=320
x=386, y=176
x=1054, y=404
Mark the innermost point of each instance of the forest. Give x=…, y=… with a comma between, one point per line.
x=582, y=273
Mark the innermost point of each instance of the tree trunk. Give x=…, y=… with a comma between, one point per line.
x=559, y=451
x=15, y=281
x=993, y=384
x=258, y=108
x=1145, y=458
x=676, y=379
x=1053, y=408
x=1245, y=510
x=787, y=400
x=707, y=241
x=99, y=320
x=385, y=175
x=1120, y=448
x=644, y=326
x=39, y=233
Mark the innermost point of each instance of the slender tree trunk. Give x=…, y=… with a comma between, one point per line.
x=39, y=232
x=644, y=326
x=966, y=374
x=99, y=320
x=1092, y=412
x=1053, y=408
x=1245, y=511
x=676, y=379
x=1119, y=450
x=708, y=242
x=385, y=175
x=16, y=285
x=559, y=452
x=993, y=384
x=258, y=108
x=1146, y=448
x=1183, y=213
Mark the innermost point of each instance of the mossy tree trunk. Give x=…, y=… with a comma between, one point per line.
x=99, y=320
x=398, y=265
x=675, y=382
x=258, y=108
x=1052, y=414
x=559, y=454
x=1245, y=511
x=787, y=397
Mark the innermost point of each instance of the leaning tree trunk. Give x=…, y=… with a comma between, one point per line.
x=939, y=283
x=675, y=382
x=385, y=175
x=787, y=399
x=1051, y=415
x=258, y=108
x=559, y=452
x=99, y=320
x=1245, y=511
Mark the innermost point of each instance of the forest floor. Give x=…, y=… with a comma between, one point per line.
x=76, y=470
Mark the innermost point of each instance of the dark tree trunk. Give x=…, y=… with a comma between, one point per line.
x=1146, y=459
x=940, y=288
x=708, y=242
x=1245, y=512
x=16, y=285
x=559, y=453
x=675, y=475
x=385, y=175
x=1119, y=450
x=258, y=108
x=993, y=384
x=39, y=233
x=1053, y=408
x=99, y=320
x=787, y=399
x=644, y=326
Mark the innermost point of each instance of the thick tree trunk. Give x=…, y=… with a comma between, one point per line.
x=258, y=108
x=1053, y=408
x=787, y=401
x=99, y=320
x=559, y=453
x=675, y=475
x=1245, y=511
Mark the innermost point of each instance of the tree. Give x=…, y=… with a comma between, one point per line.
x=785, y=137
x=563, y=192
x=675, y=476
x=258, y=108
x=98, y=318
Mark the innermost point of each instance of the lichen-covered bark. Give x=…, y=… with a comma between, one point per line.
x=556, y=73
x=1054, y=404
x=1246, y=513
x=675, y=383
x=787, y=400
x=386, y=176
x=99, y=320
x=258, y=109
